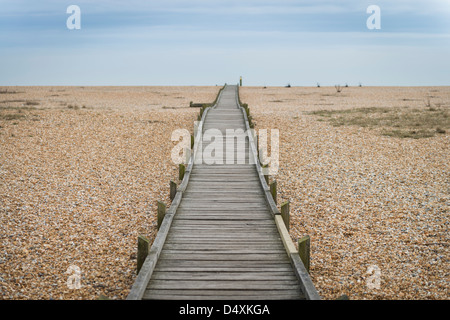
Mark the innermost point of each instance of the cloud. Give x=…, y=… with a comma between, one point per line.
x=178, y=41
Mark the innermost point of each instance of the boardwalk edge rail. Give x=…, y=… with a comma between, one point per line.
x=302, y=274
x=138, y=289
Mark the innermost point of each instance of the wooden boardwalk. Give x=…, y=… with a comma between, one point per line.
x=220, y=240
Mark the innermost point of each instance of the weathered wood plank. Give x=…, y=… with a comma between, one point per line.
x=218, y=269
x=226, y=256
x=267, y=230
x=225, y=223
x=220, y=200
x=225, y=284
x=222, y=251
x=217, y=296
x=224, y=213
x=223, y=263
x=245, y=276
x=221, y=217
x=222, y=247
x=223, y=294
x=233, y=231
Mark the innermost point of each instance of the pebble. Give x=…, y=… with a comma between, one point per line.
x=78, y=186
x=363, y=198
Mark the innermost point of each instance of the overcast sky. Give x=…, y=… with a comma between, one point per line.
x=208, y=42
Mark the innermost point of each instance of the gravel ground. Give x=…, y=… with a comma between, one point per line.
x=375, y=207
x=80, y=172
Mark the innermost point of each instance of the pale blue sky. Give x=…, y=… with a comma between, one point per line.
x=208, y=42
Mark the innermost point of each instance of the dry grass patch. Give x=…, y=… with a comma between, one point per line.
x=8, y=112
x=400, y=122
x=11, y=116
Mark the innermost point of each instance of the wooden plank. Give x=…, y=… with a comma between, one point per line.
x=285, y=237
x=211, y=238
x=219, y=200
x=229, y=185
x=224, y=224
x=176, y=268
x=220, y=276
x=220, y=180
x=220, y=251
x=216, y=170
x=225, y=256
x=225, y=235
x=237, y=231
x=190, y=296
x=213, y=242
x=223, y=206
x=223, y=247
x=220, y=217
x=223, y=294
x=225, y=284
x=224, y=177
x=229, y=216
x=233, y=187
x=174, y=239
x=224, y=168
x=223, y=263
x=268, y=230
x=224, y=212
x=231, y=232
x=233, y=223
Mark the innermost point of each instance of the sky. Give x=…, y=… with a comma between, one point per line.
x=209, y=42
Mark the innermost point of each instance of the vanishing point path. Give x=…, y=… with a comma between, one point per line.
x=220, y=238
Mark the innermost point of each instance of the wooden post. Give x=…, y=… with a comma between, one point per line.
x=247, y=110
x=257, y=142
x=266, y=176
x=188, y=153
x=181, y=171
x=142, y=251
x=202, y=110
x=285, y=213
x=173, y=190
x=161, y=213
x=304, y=248
x=273, y=191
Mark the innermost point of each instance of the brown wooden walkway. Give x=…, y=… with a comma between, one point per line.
x=221, y=239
